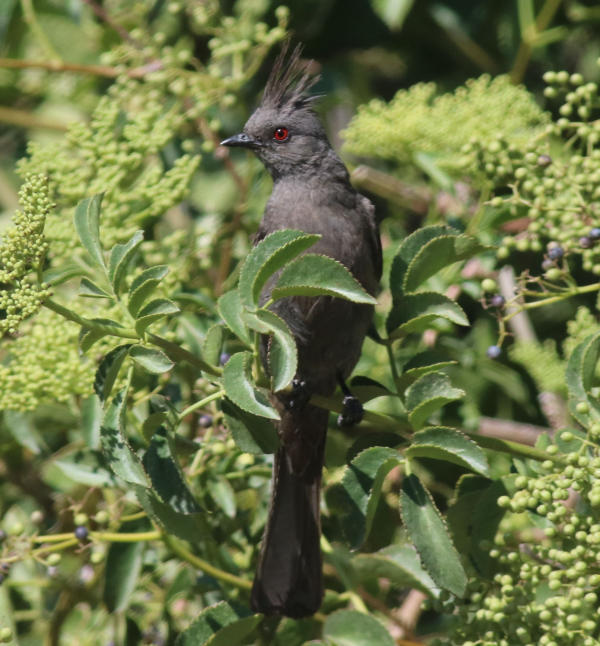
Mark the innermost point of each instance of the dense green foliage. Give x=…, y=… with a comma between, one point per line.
x=135, y=423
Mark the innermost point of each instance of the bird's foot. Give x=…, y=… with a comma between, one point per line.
x=299, y=396
x=352, y=411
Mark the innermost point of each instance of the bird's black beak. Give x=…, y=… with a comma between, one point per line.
x=241, y=141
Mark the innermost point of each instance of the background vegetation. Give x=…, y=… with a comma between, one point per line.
x=134, y=435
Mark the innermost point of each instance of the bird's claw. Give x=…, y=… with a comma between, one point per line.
x=352, y=412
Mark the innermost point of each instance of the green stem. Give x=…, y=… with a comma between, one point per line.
x=200, y=404
x=133, y=537
x=512, y=448
x=113, y=330
x=526, y=47
x=34, y=25
x=177, y=352
x=203, y=565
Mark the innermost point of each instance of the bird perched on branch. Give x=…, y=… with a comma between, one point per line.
x=311, y=193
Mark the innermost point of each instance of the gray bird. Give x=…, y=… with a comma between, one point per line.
x=311, y=193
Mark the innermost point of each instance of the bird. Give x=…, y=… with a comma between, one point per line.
x=312, y=193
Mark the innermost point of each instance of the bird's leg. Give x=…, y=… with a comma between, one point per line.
x=352, y=411
x=299, y=396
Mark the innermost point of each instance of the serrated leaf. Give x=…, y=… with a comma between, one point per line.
x=166, y=476
x=437, y=254
x=89, y=336
x=240, y=389
x=408, y=249
x=119, y=258
x=231, y=309
x=219, y=625
x=400, y=565
x=357, y=494
x=419, y=365
x=444, y=443
x=365, y=388
x=58, y=275
x=316, y=275
x=282, y=356
x=580, y=373
x=212, y=344
x=154, y=311
x=189, y=527
x=416, y=312
x=89, y=289
x=353, y=628
x=153, y=361
x=108, y=370
x=426, y=395
x=251, y=433
x=269, y=255
x=429, y=535
x=91, y=421
x=143, y=287
x=120, y=456
x=123, y=567
x=87, y=224
x=84, y=474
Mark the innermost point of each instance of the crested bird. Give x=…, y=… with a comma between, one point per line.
x=312, y=193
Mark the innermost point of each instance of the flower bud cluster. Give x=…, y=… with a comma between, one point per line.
x=22, y=251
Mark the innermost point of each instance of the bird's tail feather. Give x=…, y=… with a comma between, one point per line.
x=288, y=580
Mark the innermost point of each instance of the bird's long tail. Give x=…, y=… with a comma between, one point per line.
x=288, y=579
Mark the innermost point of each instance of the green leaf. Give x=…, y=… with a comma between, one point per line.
x=153, y=361
x=251, y=433
x=428, y=164
x=353, y=628
x=89, y=289
x=426, y=395
x=400, y=565
x=240, y=389
x=282, y=356
x=189, y=527
x=443, y=443
x=154, y=311
x=166, y=475
x=419, y=365
x=212, y=344
x=357, y=494
x=222, y=493
x=580, y=373
x=416, y=312
x=122, y=460
x=120, y=255
x=269, y=255
x=219, y=625
x=437, y=254
x=87, y=221
x=123, y=567
x=408, y=249
x=91, y=421
x=108, y=370
x=429, y=535
x=316, y=275
x=58, y=275
x=89, y=336
x=231, y=309
x=143, y=287
x=23, y=431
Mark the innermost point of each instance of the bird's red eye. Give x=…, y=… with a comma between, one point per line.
x=281, y=134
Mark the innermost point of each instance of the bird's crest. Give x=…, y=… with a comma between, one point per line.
x=289, y=81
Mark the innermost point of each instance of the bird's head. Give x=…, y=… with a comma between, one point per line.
x=284, y=131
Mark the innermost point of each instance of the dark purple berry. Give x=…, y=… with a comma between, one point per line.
x=493, y=352
x=205, y=421
x=81, y=533
x=497, y=300
x=544, y=160
x=586, y=242
x=556, y=253
x=224, y=358
x=595, y=233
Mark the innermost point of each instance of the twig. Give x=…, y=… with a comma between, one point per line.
x=25, y=119
x=105, y=17
x=513, y=431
